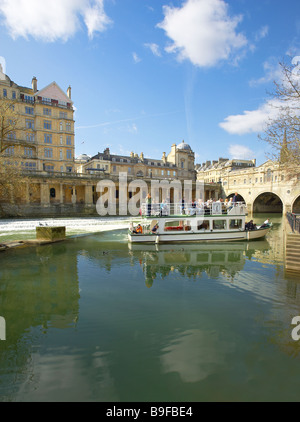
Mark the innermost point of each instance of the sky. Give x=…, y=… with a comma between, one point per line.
x=146, y=74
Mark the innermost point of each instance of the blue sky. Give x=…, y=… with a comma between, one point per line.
x=149, y=73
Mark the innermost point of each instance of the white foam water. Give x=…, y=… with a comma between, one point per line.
x=26, y=227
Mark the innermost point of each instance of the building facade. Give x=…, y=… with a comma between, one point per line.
x=44, y=136
x=178, y=164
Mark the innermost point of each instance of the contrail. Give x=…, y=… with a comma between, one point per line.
x=126, y=120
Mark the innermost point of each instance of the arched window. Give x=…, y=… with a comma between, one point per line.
x=52, y=193
x=269, y=175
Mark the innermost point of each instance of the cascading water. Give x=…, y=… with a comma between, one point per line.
x=22, y=229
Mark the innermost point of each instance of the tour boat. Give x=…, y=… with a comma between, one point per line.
x=165, y=223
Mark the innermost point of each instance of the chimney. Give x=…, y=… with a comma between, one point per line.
x=69, y=92
x=34, y=84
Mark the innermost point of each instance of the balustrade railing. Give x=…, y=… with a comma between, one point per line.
x=214, y=208
x=294, y=221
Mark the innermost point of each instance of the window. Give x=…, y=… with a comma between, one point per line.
x=47, y=167
x=68, y=140
x=28, y=98
x=52, y=193
x=29, y=166
x=61, y=140
x=60, y=154
x=48, y=152
x=47, y=112
x=13, y=95
x=219, y=224
x=46, y=100
x=28, y=152
x=63, y=115
x=261, y=179
x=11, y=135
x=174, y=173
x=69, y=169
x=68, y=127
x=29, y=110
x=29, y=124
x=30, y=137
x=47, y=138
x=114, y=169
x=47, y=124
x=10, y=150
x=236, y=224
x=203, y=225
x=69, y=154
x=173, y=226
x=4, y=93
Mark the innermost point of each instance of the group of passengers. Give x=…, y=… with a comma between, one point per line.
x=187, y=208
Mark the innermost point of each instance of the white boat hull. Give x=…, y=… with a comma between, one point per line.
x=198, y=237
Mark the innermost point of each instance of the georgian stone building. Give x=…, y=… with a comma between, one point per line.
x=44, y=138
x=178, y=164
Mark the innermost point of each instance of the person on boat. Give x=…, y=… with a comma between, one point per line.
x=138, y=230
x=148, y=204
x=250, y=225
x=155, y=228
x=235, y=197
x=265, y=224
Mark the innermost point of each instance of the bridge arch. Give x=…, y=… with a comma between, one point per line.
x=268, y=202
x=239, y=197
x=296, y=205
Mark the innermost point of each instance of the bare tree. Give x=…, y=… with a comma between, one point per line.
x=283, y=132
x=12, y=180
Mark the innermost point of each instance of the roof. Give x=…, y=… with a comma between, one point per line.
x=183, y=146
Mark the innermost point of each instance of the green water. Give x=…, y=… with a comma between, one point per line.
x=91, y=319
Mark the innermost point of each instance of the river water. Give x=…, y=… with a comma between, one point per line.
x=92, y=319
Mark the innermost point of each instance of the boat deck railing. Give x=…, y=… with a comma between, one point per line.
x=165, y=209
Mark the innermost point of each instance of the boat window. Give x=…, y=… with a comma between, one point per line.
x=174, y=225
x=203, y=225
x=219, y=224
x=236, y=224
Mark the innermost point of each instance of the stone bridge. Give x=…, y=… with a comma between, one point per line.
x=280, y=197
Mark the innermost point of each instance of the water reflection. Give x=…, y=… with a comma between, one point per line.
x=83, y=324
x=192, y=261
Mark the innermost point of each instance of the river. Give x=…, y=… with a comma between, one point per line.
x=93, y=319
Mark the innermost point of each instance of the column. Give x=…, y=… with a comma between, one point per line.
x=88, y=195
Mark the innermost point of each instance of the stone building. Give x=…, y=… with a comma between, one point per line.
x=178, y=164
x=44, y=138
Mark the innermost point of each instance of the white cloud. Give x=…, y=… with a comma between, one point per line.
x=262, y=33
x=154, y=48
x=95, y=18
x=272, y=71
x=136, y=58
x=51, y=20
x=241, y=152
x=251, y=121
x=202, y=32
